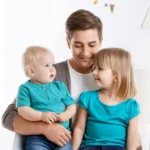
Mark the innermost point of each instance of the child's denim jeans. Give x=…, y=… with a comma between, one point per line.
x=40, y=142
x=102, y=148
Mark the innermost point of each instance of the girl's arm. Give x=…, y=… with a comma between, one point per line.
x=133, y=134
x=80, y=124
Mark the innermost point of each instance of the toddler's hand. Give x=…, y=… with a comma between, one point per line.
x=49, y=117
x=63, y=117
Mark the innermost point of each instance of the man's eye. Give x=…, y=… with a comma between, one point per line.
x=92, y=45
x=78, y=46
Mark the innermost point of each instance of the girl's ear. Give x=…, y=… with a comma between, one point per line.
x=31, y=72
x=68, y=43
x=115, y=77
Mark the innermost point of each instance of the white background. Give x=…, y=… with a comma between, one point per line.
x=42, y=22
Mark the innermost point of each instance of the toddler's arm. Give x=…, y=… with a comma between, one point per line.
x=80, y=124
x=68, y=113
x=30, y=114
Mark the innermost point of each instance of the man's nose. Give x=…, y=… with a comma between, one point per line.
x=85, y=50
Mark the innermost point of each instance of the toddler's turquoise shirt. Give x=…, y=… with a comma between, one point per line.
x=106, y=125
x=53, y=96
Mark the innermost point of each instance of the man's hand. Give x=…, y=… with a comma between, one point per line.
x=54, y=132
x=49, y=117
x=63, y=117
x=57, y=134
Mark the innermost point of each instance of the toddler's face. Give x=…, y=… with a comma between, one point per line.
x=44, y=70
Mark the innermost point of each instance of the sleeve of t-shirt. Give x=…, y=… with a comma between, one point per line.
x=84, y=100
x=68, y=100
x=134, y=109
x=23, y=97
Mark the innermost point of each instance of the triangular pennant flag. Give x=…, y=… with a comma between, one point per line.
x=95, y=1
x=146, y=22
x=112, y=7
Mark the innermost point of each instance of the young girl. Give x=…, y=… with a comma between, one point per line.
x=42, y=99
x=107, y=118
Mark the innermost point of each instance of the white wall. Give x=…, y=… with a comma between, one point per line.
x=42, y=22
x=143, y=96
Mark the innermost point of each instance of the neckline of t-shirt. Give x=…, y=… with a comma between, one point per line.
x=70, y=67
x=106, y=105
x=40, y=85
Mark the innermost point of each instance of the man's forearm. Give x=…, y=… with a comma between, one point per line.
x=24, y=127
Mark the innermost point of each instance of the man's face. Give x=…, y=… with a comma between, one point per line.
x=84, y=45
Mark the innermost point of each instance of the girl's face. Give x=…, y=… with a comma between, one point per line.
x=43, y=70
x=104, y=78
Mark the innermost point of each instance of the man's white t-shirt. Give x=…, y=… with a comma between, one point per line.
x=80, y=82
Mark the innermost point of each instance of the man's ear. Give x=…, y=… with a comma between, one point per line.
x=68, y=43
x=101, y=40
x=31, y=72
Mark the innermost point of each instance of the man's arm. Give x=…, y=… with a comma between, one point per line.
x=9, y=116
x=54, y=132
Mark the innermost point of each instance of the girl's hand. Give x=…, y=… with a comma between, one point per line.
x=63, y=117
x=49, y=117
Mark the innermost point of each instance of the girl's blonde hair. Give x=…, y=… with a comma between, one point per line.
x=32, y=55
x=119, y=61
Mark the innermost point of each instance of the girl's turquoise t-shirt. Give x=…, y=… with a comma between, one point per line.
x=106, y=125
x=53, y=96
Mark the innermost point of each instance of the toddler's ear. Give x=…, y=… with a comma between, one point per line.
x=31, y=72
